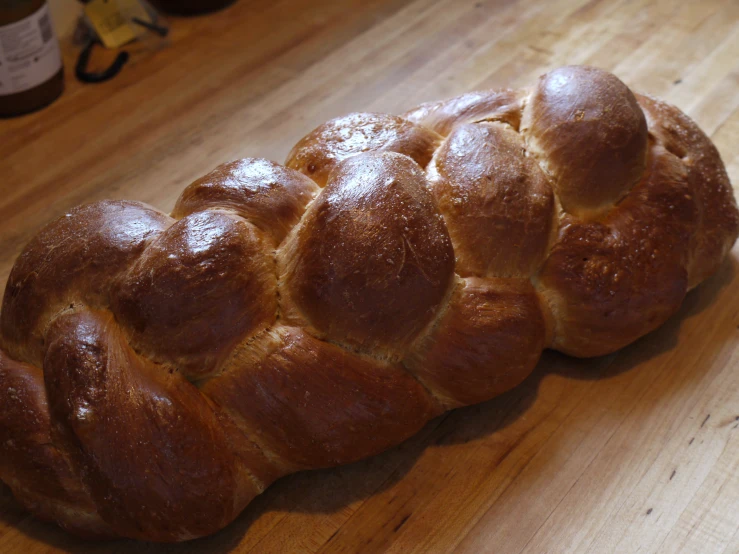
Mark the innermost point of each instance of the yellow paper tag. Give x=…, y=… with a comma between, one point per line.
x=112, y=20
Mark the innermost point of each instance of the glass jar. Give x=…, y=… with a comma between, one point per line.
x=31, y=71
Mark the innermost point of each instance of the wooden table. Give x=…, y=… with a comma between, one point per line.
x=635, y=452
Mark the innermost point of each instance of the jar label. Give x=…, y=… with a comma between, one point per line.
x=29, y=52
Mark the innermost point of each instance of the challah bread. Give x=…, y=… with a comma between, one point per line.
x=158, y=372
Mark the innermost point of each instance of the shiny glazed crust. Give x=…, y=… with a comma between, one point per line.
x=158, y=372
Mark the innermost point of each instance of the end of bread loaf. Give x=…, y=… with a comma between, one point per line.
x=160, y=371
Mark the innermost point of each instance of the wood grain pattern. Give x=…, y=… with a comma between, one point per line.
x=634, y=452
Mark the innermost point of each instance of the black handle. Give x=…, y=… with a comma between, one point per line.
x=85, y=76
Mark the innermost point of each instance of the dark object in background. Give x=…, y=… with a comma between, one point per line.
x=85, y=76
x=190, y=7
x=31, y=70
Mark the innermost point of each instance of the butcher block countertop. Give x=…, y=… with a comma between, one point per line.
x=633, y=452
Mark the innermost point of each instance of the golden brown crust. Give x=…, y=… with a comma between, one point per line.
x=74, y=259
x=586, y=129
x=496, y=202
x=320, y=151
x=38, y=471
x=718, y=219
x=318, y=405
x=218, y=263
x=372, y=259
x=146, y=443
x=613, y=280
x=266, y=194
x=503, y=106
x=158, y=373
x=487, y=342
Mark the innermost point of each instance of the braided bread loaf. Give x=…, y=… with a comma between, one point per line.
x=158, y=372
